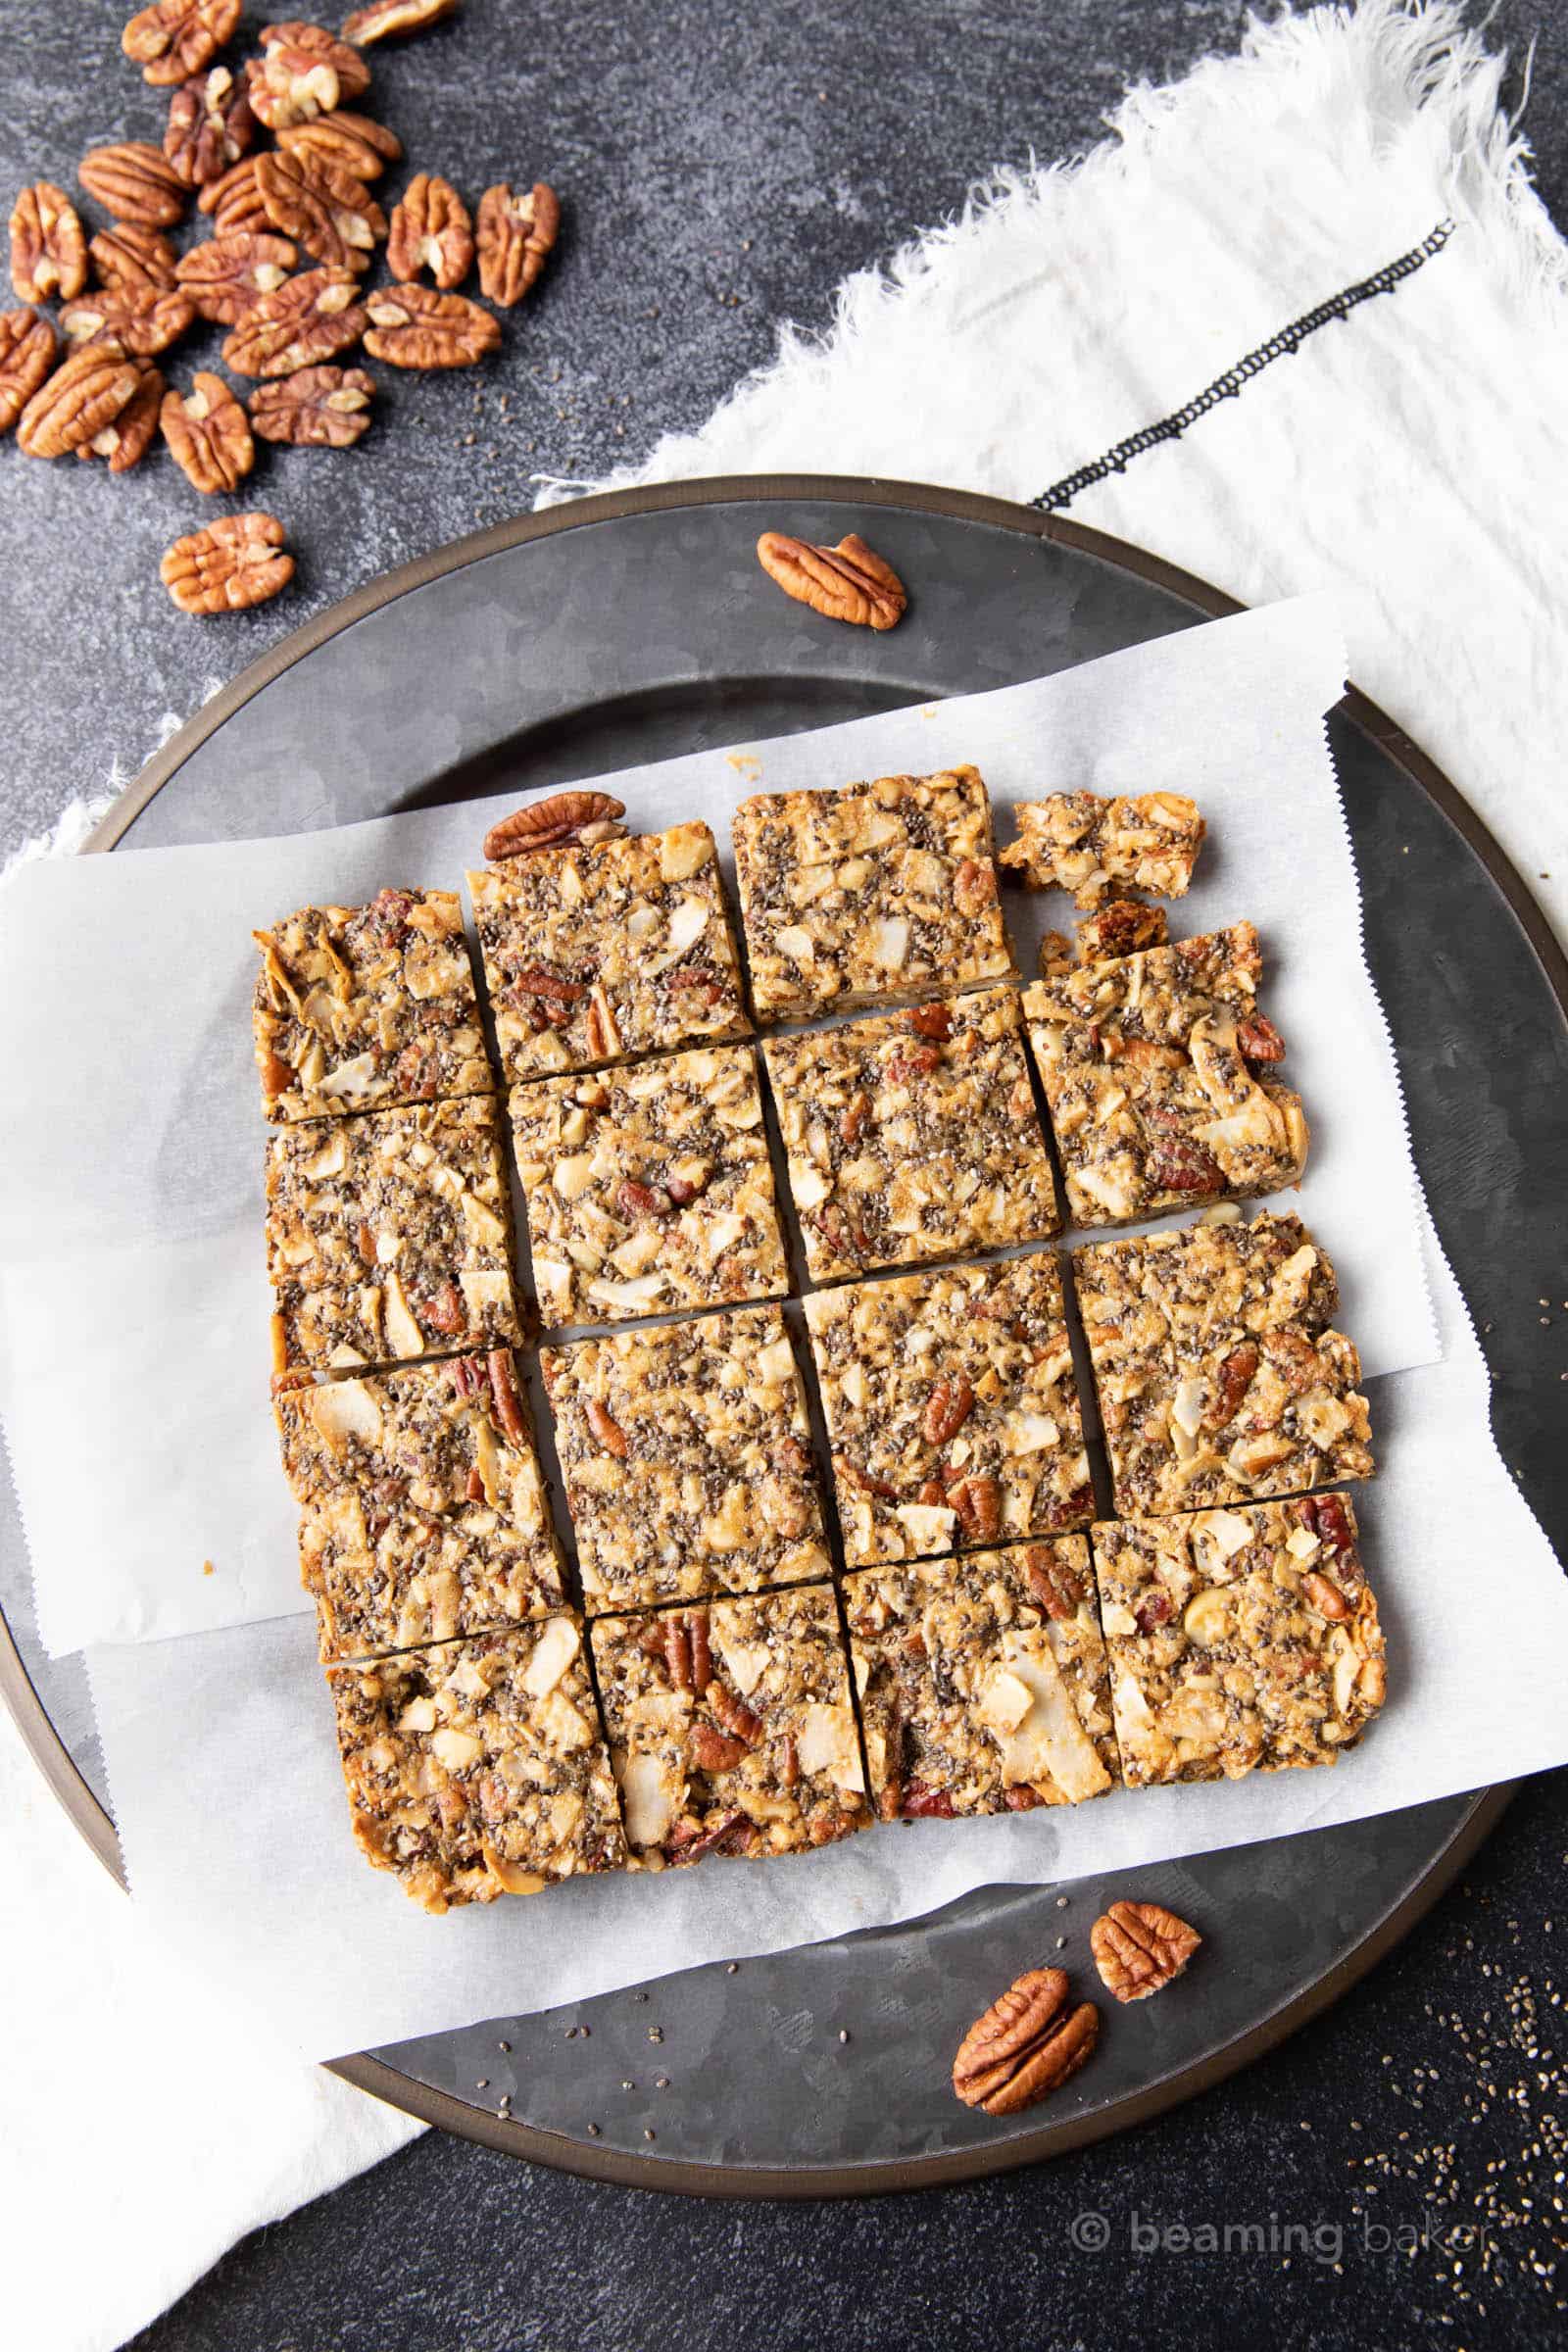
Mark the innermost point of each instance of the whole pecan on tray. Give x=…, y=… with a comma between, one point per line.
x=1025, y=2045
x=1139, y=1947
x=211, y=125
x=416, y=327
x=350, y=143
x=137, y=260
x=384, y=17
x=209, y=435
x=176, y=38
x=307, y=319
x=227, y=277
x=141, y=319
x=134, y=181
x=78, y=401
x=48, y=251
x=430, y=229
x=126, y=438
x=567, y=819
x=316, y=408
x=236, y=562
x=515, y=234
x=323, y=209
x=848, y=582
x=28, y=345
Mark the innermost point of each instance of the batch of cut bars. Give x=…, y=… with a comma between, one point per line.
x=761, y=1659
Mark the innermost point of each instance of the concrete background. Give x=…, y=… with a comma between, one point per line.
x=722, y=168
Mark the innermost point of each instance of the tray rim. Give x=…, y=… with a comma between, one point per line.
x=1485, y=1806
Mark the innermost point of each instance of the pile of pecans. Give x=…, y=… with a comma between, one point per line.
x=281, y=171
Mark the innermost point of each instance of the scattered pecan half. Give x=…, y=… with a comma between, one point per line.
x=516, y=236
x=209, y=126
x=1178, y=1163
x=138, y=259
x=947, y=1409
x=140, y=320
x=209, y=435
x=78, y=401
x=236, y=562
x=227, y=277
x=235, y=201
x=125, y=440
x=416, y=327
x=384, y=17
x=848, y=582
x=553, y=823
x=1025, y=2045
x=48, y=251
x=1140, y=1947
x=175, y=38
x=324, y=210
x=978, y=1504
x=28, y=345
x=316, y=408
x=303, y=71
x=1051, y=1582
x=430, y=229
x=308, y=318
x=134, y=181
x=350, y=143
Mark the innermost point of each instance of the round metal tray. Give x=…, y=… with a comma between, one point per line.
x=629, y=627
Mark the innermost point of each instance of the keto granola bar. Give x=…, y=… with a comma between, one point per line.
x=1219, y=1378
x=360, y=1008
x=687, y=1458
x=1100, y=849
x=912, y=1136
x=478, y=1768
x=874, y=894
x=1237, y=1639
x=952, y=1408
x=1149, y=1064
x=981, y=1682
x=649, y=1188
x=424, y=1509
x=389, y=1236
x=731, y=1730
x=593, y=954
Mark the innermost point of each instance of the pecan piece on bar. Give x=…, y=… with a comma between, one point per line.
x=430, y=229
x=316, y=408
x=1139, y=1947
x=848, y=582
x=126, y=438
x=308, y=318
x=28, y=345
x=227, y=277
x=1025, y=2045
x=78, y=401
x=324, y=210
x=1258, y=1040
x=235, y=201
x=978, y=1504
x=209, y=126
x=1180, y=1163
x=48, y=251
x=385, y=18
x=505, y=1397
x=566, y=817
x=134, y=259
x=236, y=562
x=947, y=1409
x=140, y=320
x=175, y=38
x=1121, y=927
x=416, y=327
x=209, y=435
x=350, y=143
x=1051, y=1582
x=134, y=181
x=516, y=236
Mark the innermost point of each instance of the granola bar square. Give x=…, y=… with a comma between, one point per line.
x=595, y=953
x=389, y=1236
x=649, y=1188
x=731, y=1728
x=875, y=893
x=423, y=1509
x=687, y=1458
x=1150, y=1067
x=981, y=1682
x=912, y=1136
x=476, y=1769
x=1237, y=1639
x=1100, y=849
x=952, y=1408
x=1219, y=1377
x=362, y=1008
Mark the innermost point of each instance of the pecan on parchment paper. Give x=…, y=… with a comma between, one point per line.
x=176, y=38
x=1139, y=1947
x=385, y=18
x=236, y=562
x=415, y=327
x=48, y=251
x=209, y=126
x=567, y=819
x=209, y=435
x=134, y=181
x=227, y=277
x=134, y=259
x=350, y=143
x=1025, y=2045
x=327, y=211
x=316, y=408
x=235, y=201
x=516, y=237
x=28, y=346
x=848, y=582
x=430, y=229
x=307, y=319
x=125, y=440
x=141, y=319
x=78, y=401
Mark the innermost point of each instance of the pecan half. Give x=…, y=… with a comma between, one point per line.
x=236, y=562
x=125, y=440
x=308, y=318
x=1233, y=1377
x=78, y=401
x=947, y=1409
x=848, y=582
x=516, y=237
x=1121, y=927
x=505, y=1397
x=737, y=1717
x=209, y=126
x=175, y=38
x=415, y=327
x=1258, y=1039
x=316, y=407
x=350, y=143
x=323, y=209
x=607, y=1430
x=235, y=201
x=304, y=71
x=1179, y=1163
x=1051, y=1582
x=931, y=1021
x=227, y=277
x=552, y=823
x=919, y=1801
x=1025, y=2045
x=134, y=181
x=139, y=319
x=978, y=1504
x=343, y=57
x=1325, y=1596
x=710, y=1751
x=384, y=17
x=430, y=229
x=1139, y=1947
x=139, y=260
x=28, y=345
x=48, y=251
x=209, y=435
x=974, y=886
